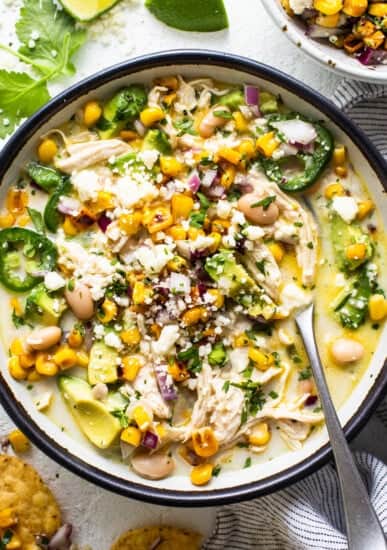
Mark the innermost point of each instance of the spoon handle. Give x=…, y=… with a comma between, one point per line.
x=363, y=528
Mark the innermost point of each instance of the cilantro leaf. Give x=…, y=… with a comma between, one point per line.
x=265, y=203
x=247, y=463
x=305, y=374
x=185, y=126
x=37, y=219
x=223, y=114
x=20, y=97
x=57, y=37
x=254, y=398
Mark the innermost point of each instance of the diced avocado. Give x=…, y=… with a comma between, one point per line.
x=268, y=103
x=233, y=100
x=157, y=139
x=102, y=364
x=344, y=234
x=233, y=279
x=231, y=276
x=116, y=401
x=218, y=355
x=91, y=415
x=123, y=108
x=44, y=307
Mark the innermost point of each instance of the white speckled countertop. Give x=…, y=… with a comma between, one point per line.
x=99, y=516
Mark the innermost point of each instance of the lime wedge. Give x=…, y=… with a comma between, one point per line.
x=86, y=10
x=190, y=15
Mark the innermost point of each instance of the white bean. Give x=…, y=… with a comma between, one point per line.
x=153, y=466
x=210, y=122
x=80, y=301
x=258, y=214
x=346, y=350
x=306, y=386
x=44, y=338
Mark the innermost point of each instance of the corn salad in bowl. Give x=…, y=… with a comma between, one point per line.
x=154, y=254
x=359, y=27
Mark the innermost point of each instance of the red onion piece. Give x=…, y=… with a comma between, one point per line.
x=251, y=95
x=372, y=57
x=209, y=177
x=103, y=222
x=165, y=383
x=215, y=192
x=194, y=181
x=62, y=538
x=150, y=440
x=69, y=205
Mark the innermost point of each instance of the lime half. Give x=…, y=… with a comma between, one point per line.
x=190, y=15
x=86, y=10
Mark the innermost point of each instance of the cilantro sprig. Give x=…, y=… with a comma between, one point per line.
x=48, y=40
x=254, y=398
x=265, y=203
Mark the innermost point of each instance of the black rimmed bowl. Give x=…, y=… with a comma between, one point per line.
x=64, y=445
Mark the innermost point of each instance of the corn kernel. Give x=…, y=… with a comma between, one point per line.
x=177, y=264
x=375, y=40
x=6, y=220
x=231, y=155
x=267, y=144
x=19, y=442
x=364, y=209
x=260, y=435
x=356, y=251
x=328, y=21
x=16, y=347
x=170, y=82
x=157, y=219
x=82, y=358
x=204, y=442
x=194, y=316
x=130, y=223
x=262, y=360
x=220, y=226
x=109, y=311
x=355, y=8
x=69, y=227
x=15, y=543
x=218, y=298
x=177, y=232
x=378, y=10
x=341, y=171
x=328, y=7
x=47, y=150
x=75, y=338
x=377, y=307
x=278, y=251
x=16, y=201
x=228, y=176
x=334, y=189
x=92, y=113
x=169, y=99
x=339, y=155
x=45, y=366
x=181, y=206
x=65, y=358
x=247, y=149
x=141, y=293
x=201, y=474
x=132, y=436
x=194, y=233
x=131, y=336
x=105, y=201
x=178, y=372
x=240, y=122
x=141, y=417
x=241, y=341
x=217, y=239
x=150, y=115
x=33, y=376
x=171, y=167
x=128, y=135
x=27, y=360
x=15, y=369
x=7, y=518
x=155, y=330
x=131, y=366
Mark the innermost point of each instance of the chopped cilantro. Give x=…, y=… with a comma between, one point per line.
x=191, y=357
x=185, y=126
x=197, y=218
x=226, y=386
x=18, y=320
x=254, y=398
x=216, y=470
x=310, y=245
x=247, y=463
x=120, y=414
x=305, y=374
x=265, y=203
x=261, y=266
x=273, y=394
x=223, y=114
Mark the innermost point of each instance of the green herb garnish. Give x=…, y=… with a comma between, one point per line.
x=265, y=203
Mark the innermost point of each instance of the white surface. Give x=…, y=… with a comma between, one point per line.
x=98, y=515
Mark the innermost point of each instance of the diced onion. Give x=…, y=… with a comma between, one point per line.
x=251, y=95
x=209, y=177
x=296, y=131
x=165, y=383
x=104, y=222
x=139, y=127
x=372, y=57
x=194, y=181
x=69, y=205
x=150, y=440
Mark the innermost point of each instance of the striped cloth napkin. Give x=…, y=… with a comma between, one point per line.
x=309, y=514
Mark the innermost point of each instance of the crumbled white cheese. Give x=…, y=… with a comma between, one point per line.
x=254, y=232
x=223, y=209
x=99, y=331
x=179, y=283
x=292, y=297
x=87, y=184
x=168, y=337
x=113, y=340
x=130, y=192
x=299, y=6
x=153, y=258
x=54, y=281
x=149, y=157
x=346, y=208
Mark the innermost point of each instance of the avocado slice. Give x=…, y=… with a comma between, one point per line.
x=44, y=307
x=92, y=416
x=102, y=364
x=233, y=100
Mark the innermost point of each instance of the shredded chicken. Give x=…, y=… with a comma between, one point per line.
x=271, y=279
x=82, y=155
x=146, y=384
x=293, y=433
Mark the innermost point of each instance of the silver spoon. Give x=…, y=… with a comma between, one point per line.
x=364, y=531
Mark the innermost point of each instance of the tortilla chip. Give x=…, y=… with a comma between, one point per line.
x=158, y=538
x=30, y=500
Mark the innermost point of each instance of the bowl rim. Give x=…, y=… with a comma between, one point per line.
x=314, y=50
x=109, y=481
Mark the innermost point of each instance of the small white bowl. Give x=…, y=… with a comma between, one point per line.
x=320, y=50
